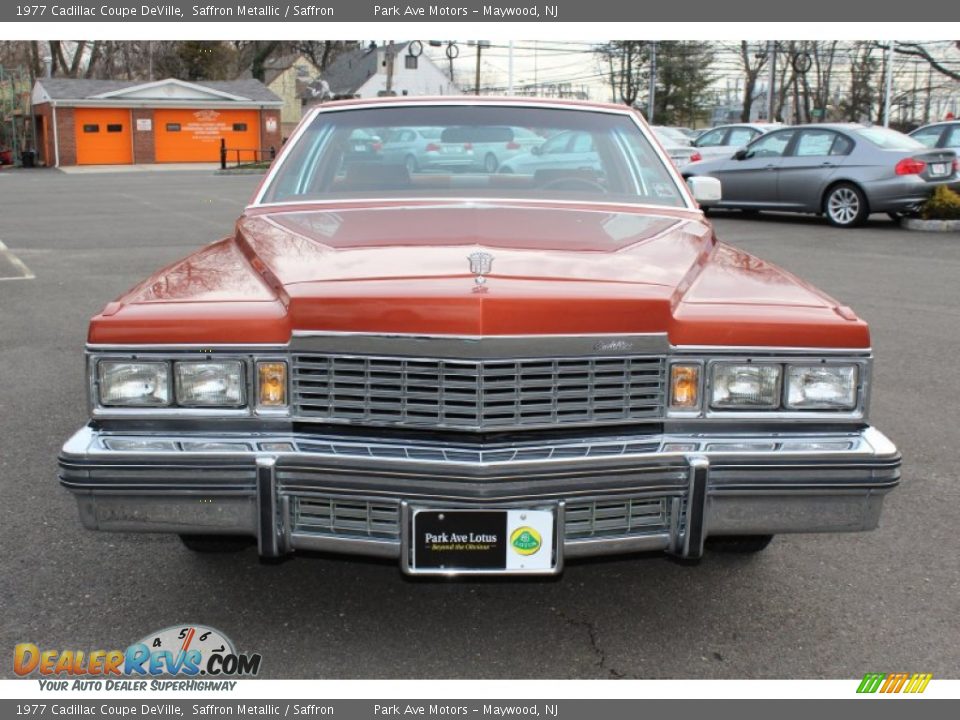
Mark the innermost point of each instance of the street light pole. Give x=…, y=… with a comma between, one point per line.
x=889, y=85
x=771, y=102
x=651, y=95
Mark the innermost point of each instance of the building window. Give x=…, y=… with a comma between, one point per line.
x=114, y=128
x=91, y=128
x=239, y=127
x=410, y=62
x=173, y=127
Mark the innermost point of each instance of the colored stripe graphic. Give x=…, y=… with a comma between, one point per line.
x=871, y=682
x=889, y=683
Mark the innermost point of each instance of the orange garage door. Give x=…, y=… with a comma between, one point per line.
x=194, y=135
x=103, y=136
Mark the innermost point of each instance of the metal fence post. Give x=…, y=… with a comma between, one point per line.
x=223, y=153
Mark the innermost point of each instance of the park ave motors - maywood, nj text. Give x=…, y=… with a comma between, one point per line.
x=454, y=11
x=496, y=710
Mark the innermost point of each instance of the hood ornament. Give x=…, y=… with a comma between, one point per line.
x=480, y=264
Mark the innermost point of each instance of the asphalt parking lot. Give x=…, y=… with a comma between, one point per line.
x=808, y=607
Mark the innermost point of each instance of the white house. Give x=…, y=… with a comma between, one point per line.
x=367, y=73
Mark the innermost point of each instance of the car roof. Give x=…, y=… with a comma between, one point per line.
x=936, y=124
x=478, y=99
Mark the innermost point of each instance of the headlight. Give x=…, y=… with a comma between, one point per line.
x=745, y=387
x=821, y=387
x=210, y=384
x=134, y=384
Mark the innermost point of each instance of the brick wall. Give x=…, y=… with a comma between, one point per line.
x=67, y=135
x=270, y=139
x=143, y=140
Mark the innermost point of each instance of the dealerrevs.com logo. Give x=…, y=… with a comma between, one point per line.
x=180, y=651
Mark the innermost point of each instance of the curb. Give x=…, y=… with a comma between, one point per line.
x=930, y=225
x=242, y=171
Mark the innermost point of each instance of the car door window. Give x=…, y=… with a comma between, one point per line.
x=842, y=145
x=556, y=144
x=928, y=136
x=773, y=145
x=953, y=137
x=741, y=136
x=712, y=138
x=582, y=143
x=814, y=143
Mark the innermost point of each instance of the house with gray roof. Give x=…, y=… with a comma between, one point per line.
x=122, y=122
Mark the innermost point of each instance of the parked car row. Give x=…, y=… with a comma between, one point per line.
x=844, y=171
x=422, y=149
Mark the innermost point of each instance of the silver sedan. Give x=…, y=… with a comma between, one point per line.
x=842, y=171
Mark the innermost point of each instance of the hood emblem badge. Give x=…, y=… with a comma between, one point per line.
x=480, y=264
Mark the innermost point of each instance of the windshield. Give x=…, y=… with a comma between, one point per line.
x=888, y=139
x=470, y=151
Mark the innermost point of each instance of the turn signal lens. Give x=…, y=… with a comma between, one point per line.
x=272, y=384
x=684, y=387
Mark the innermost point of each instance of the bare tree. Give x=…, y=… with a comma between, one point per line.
x=627, y=60
x=914, y=49
x=754, y=60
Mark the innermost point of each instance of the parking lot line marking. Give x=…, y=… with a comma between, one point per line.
x=26, y=273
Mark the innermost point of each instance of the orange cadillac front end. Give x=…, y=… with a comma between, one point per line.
x=477, y=372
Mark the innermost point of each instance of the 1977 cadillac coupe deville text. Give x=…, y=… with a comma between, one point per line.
x=473, y=371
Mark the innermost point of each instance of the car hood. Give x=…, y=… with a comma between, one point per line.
x=407, y=269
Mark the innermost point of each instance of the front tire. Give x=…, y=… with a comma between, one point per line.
x=216, y=543
x=741, y=544
x=845, y=206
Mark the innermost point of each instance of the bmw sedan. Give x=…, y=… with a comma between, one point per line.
x=842, y=171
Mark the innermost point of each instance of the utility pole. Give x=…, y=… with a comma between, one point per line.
x=771, y=101
x=389, y=59
x=476, y=82
x=889, y=85
x=510, y=70
x=651, y=95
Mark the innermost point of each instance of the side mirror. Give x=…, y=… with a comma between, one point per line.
x=537, y=150
x=741, y=154
x=705, y=190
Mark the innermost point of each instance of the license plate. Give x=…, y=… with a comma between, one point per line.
x=452, y=150
x=483, y=541
x=938, y=169
x=359, y=147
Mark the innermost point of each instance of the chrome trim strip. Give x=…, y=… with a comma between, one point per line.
x=480, y=347
x=678, y=350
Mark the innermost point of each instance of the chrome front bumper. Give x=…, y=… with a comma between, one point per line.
x=612, y=495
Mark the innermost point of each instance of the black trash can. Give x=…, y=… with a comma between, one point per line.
x=28, y=159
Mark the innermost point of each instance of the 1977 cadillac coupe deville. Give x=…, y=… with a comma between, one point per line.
x=477, y=372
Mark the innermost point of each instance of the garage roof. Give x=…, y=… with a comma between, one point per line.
x=169, y=92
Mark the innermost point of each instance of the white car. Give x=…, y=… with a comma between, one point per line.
x=723, y=141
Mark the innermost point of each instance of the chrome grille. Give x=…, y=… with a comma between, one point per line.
x=596, y=518
x=477, y=394
x=607, y=518
x=347, y=517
